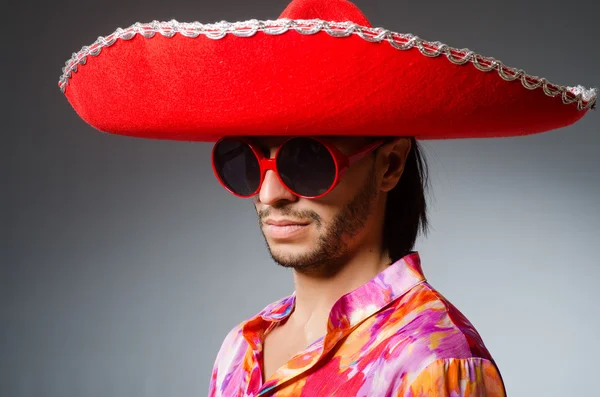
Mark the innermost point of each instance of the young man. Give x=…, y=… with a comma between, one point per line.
x=316, y=118
x=362, y=320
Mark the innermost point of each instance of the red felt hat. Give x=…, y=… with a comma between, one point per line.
x=320, y=69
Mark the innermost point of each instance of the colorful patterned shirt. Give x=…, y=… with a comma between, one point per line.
x=393, y=336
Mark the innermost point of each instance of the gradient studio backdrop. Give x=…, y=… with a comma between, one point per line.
x=125, y=263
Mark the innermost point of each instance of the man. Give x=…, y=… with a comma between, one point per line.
x=362, y=319
x=316, y=117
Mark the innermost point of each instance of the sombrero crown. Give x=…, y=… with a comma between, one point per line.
x=320, y=69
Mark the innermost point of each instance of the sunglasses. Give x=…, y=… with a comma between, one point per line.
x=307, y=167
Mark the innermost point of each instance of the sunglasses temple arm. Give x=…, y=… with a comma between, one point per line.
x=342, y=172
x=354, y=157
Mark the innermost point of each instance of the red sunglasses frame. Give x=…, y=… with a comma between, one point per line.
x=341, y=160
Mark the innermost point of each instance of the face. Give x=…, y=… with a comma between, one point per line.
x=334, y=225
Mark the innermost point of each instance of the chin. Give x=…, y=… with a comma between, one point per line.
x=289, y=248
x=289, y=253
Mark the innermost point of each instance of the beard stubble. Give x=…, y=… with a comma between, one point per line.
x=331, y=250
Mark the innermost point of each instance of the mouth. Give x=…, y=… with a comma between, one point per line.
x=285, y=231
x=272, y=222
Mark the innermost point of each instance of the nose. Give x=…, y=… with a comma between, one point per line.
x=272, y=190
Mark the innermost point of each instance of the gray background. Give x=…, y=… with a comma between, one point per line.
x=124, y=263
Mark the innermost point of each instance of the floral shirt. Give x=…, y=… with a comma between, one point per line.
x=393, y=336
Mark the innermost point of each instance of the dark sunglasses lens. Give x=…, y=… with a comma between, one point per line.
x=306, y=166
x=237, y=166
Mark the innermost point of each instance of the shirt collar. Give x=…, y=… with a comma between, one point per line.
x=366, y=300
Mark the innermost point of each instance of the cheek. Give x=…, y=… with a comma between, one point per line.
x=348, y=186
x=334, y=202
x=327, y=212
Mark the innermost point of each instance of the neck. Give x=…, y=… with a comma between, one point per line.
x=316, y=294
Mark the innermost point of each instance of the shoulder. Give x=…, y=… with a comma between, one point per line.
x=439, y=347
x=232, y=341
x=457, y=377
x=430, y=321
x=230, y=368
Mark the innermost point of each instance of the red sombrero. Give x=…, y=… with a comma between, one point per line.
x=321, y=69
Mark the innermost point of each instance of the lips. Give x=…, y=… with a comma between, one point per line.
x=286, y=231
x=285, y=223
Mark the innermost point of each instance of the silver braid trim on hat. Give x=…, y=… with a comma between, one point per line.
x=585, y=97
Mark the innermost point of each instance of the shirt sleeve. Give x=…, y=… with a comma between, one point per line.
x=457, y=377
x=214, y=388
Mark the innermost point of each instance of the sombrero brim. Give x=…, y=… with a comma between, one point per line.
x=195, y=82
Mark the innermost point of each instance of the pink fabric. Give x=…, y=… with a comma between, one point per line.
x=393, y=336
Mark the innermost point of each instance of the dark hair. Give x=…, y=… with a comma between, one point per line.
x=406, y=207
